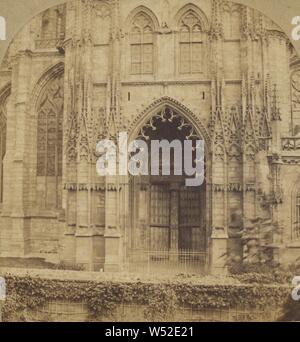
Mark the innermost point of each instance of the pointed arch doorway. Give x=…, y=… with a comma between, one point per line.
x=168, y=218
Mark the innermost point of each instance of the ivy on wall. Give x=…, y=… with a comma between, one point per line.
x=160, y=299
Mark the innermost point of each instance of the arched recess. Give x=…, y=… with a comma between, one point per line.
x=231, y=15
x=48, y=100
x=4, y=95
x=295, y=97
x=143, y=25
x=296, y=212
x=166, y=215
x=192, y=26
x=102, y=23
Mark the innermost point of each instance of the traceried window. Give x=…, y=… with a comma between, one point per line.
x=2, y=144
x=49, y=144
x=297, y=216
x=142, y=44
x=190, y=42
x=295, y=90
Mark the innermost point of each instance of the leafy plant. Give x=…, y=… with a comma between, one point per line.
x=257, y=237
x=26, y=294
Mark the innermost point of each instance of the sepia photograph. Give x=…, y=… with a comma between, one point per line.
x=149, y=163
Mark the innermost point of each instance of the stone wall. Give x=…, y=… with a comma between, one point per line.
x=58, y=311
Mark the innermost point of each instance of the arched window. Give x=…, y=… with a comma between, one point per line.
x=295, y=93
x=3, y=102
x=297, y=216
x=190, y=42
x=49, y=144
x=142, y=44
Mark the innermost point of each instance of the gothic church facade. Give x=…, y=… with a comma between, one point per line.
x=89, y=69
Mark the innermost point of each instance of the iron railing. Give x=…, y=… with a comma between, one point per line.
x=153, y=262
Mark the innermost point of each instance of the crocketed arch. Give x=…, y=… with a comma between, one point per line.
x=159, y=104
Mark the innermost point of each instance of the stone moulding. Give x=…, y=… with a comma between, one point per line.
x=291, y=160
x=91, y=187
x=233, y=187
x=49, y=74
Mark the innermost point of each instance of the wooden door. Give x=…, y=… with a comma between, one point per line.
x=159, y=217
x=190, y=234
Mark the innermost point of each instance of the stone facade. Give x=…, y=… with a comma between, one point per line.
x=84, y=71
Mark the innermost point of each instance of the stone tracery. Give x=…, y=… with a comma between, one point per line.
x=50, y=138
x=142, y=44
x=190, y=44
x=3, y=129
x=295, y=89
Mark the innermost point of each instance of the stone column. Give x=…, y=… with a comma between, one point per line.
x=112, y=235
x=84, y=241
x=78, y=144
x=20, y=227
x=125, y=219
x=219, y=235
x=218, y=251
x=69, y=169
